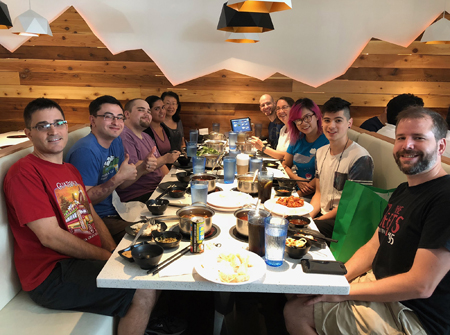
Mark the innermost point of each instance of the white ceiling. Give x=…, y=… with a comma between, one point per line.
x=313, y=43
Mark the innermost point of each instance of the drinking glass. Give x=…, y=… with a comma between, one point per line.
x=258, y=130
x=275, y=239
x=232, y=137
x=229, y=167
x=216, y=127
x=198, y=164
x=265, y=181
x=199, y=191
x=256, y=233
x=193, y=135
x=256, y=164
x=191, y=149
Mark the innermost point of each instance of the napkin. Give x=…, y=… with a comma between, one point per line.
x=276, y=173
x=128, y=211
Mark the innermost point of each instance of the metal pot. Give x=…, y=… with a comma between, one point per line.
x=185, y=222
x=246, y=183
x=215, y=144
x=241, y=224
x=208, y=177
x=210, y=160
x=216, y=136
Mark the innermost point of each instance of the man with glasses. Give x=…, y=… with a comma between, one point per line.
x=102, y=162
x=337, y=162
x=267, y=106
x=57, y=254
x=138, y=145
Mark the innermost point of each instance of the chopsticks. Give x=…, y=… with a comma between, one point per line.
x=169, y=261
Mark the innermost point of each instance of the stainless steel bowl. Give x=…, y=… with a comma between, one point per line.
x=211, y=179
x=210, y=160
x=215, y=144
x=246, y=183
x=194, y=210
x=242, y=225
x=216, y=136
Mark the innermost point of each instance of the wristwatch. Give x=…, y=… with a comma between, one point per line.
x=264, y=148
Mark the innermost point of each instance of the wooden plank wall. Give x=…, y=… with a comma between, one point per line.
x=73, y=67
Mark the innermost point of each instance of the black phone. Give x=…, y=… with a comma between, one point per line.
x=325, y=267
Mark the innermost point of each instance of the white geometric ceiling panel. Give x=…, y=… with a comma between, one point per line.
x=314, y=42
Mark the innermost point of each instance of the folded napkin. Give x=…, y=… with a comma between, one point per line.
x=128, y=211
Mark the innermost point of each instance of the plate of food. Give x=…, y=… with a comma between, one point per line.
x=133, y=229
x=288, y=206
x=231, y=267
x=229, y=199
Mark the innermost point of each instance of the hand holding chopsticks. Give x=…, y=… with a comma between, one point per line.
x=169, y=261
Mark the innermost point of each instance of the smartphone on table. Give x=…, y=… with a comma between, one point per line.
x=324, y=267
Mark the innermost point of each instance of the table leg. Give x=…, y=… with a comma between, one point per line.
x=223, y=303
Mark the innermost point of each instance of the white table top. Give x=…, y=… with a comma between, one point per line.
x=288, y=278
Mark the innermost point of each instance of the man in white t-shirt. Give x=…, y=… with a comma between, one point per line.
x=337, y=162
x=394, y=107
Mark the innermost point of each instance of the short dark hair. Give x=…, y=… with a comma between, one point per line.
x=418, y=112
x=37, y=105
x=399, y=103
x=129, y=105
x=289, y=100
x=176, y=116
x=335, y=104
x=152, y=99
x=96, y=104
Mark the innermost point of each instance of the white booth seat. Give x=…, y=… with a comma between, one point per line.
x=386, y=174
x=18, y=313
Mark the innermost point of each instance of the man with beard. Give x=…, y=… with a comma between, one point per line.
x=139, y=145
x=103, y=165
x=407, y=290
x=267, y=106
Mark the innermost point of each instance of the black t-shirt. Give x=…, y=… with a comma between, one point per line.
x=417, y=217
x=372, y=124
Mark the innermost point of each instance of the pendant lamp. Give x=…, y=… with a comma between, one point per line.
x=242, y=38
x=242, y=22
x=31, y=23
x=5, y=19
x=438, y=32
x=260, y=6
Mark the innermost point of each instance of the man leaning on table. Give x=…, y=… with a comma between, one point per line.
x=104, y=166
x=406, y=289
x=138, y=145
x=60, y=243
x=337, y=162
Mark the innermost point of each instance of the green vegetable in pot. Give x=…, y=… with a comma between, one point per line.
x=207, y=151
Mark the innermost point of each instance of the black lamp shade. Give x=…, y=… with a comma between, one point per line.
x=5, y=19
x=244, y=22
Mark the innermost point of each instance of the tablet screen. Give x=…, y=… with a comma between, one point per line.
x=238, y=125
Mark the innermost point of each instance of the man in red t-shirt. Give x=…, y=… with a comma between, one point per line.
x=60, y=243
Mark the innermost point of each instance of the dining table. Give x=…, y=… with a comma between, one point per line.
x=183, y=275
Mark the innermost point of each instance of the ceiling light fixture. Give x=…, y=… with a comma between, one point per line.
x=242, y=38
x=243, y=22
x=5, y=19
x=438, y=32
x=260, y=6
x=31, y=23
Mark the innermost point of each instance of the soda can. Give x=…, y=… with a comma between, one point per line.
x=197, y=234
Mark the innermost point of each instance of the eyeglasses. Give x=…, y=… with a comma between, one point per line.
x=306, y=118
x=283, y=108
x=46, y=126
x=111, y=117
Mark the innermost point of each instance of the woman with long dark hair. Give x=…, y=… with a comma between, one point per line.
x=173, y=121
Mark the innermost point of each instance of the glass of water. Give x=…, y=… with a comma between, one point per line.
x=199, y=191
x=191, y=149
x=193, y=135
x=275, y=239
x=229, y=169
x=198, y=164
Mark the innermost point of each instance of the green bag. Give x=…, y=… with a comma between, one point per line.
x=359, y=212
